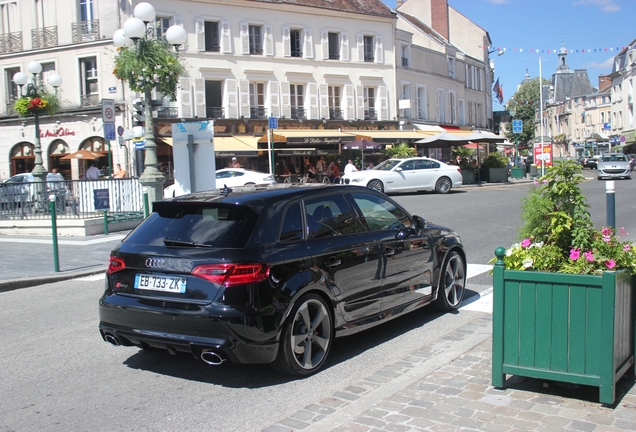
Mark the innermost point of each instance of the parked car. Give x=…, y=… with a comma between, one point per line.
x=274, y=274
x=408, y=175
x=231, y=177
x=614, y=166
x=587, y=162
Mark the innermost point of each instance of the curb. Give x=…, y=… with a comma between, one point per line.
x=14, y=284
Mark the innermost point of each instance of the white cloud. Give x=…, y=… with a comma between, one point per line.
x=499, y=1
x=606, y=65
x=605, y=5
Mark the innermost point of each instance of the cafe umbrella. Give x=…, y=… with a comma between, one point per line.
x=362, y=144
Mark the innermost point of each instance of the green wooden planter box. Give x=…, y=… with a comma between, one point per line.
x=516, y=173
x=576, y=329
x=493, y=175
x=468, y=176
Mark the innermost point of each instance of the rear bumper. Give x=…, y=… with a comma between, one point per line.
x=188, y=333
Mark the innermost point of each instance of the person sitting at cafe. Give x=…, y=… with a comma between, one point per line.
x=333, y=171
x=311, y=173
x=92, y=172
x=234, y=163
x=120, y=173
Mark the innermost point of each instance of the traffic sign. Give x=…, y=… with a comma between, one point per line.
x=517, y=126
x=108, y=110
x=120, y=130
x=273, y=122
x=109, y=131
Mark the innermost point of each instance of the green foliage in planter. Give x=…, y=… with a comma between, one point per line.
x=400, y=151
x=153, y=65
x=464, y=155
x=495, y=160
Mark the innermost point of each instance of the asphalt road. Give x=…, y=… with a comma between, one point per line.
x=56, y=374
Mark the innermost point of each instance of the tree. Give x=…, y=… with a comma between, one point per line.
x=400, y=151
x=525, y=102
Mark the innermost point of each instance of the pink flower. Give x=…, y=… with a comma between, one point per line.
x=606, y=232
x=607, y=239
x=589, y=256
x=575, y=253
x=623, y=231
x=610, y=264
x=627, y=248
x=526, y=242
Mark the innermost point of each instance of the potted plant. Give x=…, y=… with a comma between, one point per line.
x=468, y=172
x=564, y=296
x=494, y=168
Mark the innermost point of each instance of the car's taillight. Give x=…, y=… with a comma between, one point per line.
x=232, y=274
x=115, y=264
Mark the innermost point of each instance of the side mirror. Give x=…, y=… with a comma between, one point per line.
x=419, y=222
x=398, y=169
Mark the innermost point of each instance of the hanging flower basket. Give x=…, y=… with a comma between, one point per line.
x=28, y=105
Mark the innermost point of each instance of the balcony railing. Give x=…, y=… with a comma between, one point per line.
x=90, y=100
x=85, y=31
x=405, y=62
x=258, y=113
x=335, y=114
x=10, y=42
x=214, y=112
x=168, y=112
x=44, y=37
x=370, y=114
x=298, y=113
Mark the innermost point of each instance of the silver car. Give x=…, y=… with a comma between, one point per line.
x=613, y=166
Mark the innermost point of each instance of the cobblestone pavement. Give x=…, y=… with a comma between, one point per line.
x=446, y=387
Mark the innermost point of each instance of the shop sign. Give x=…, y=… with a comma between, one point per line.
x=314, y=140
x=227, y=154
x=60, y=132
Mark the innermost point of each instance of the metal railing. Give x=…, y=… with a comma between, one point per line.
x=258, y=113
x=370, y=114
x=298, y=113
x=44, y=37
x=335, y=114
x=85, y=31
x=10, y=42
x=214, y=112
x=74, y=199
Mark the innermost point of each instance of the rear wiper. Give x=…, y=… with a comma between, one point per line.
x=169, y=242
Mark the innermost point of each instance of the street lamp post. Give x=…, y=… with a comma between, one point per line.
x=34, y=92
x=151, y=65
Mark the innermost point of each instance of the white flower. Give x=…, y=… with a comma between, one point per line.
x=509, y=252
x=536, y=245
x=527, y=263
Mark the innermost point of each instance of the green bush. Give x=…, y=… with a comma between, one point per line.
x=495, y=160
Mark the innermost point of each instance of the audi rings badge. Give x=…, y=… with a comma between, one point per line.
x=155, y=262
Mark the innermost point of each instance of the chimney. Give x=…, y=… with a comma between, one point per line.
x=604, y=82
x=439, y=17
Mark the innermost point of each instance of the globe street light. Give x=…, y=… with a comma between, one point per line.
x=147, y=64
x=34, y=101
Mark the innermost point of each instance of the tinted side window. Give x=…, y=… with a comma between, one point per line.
x=224, y=174
x=379, y=213
x=408, y=166
x=292, y=228
x=424, y=164
x=329, y=216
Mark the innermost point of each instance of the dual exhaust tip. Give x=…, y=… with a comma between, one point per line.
x=208, y=355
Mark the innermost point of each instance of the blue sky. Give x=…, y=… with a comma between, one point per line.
x=546, y=25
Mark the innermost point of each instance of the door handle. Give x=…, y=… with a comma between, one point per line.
x=333, y=262
x=388, y=252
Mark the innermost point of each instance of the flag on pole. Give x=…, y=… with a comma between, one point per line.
x=498, y=90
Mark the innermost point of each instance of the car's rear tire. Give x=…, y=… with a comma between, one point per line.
x=443, y=185
x=452, y=283
x=376, y=184
x=306, y=337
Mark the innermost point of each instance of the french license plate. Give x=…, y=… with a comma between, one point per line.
x=160, y=283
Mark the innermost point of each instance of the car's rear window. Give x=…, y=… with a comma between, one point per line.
x=222, y=226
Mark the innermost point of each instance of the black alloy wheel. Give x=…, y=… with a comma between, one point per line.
x=306, y=338
x=443, y=185
x=376, y=184
x=450, y=291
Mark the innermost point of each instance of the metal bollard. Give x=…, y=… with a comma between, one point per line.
x=610, y=196
x=105, y=222
x=146, y=205
x=56, y=254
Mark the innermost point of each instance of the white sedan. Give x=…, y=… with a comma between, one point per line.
x=232, y=177
x=408, y=175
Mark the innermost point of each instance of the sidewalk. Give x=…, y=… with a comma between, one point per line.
x=446, y=387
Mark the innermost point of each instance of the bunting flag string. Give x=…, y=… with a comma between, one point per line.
x=556, y=51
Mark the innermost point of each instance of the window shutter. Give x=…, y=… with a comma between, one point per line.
x=344, y=46
x=226, y=37
x=383, y=99
x=286, y=41
x=308, y=45
x=447, y=107
x=349, y=99
x=199, y=26
x=245, y=38
x=185, y=98
x=274, y=98
x=360, y=47
x=413, y=102
x=324, y=43
x=360, y=102
x=284, y=99
x=244, y=98
x=269, y=40
x=231, y=99
x=324, y=101
x=379, y=51
x=312, y=100
x=199, y=98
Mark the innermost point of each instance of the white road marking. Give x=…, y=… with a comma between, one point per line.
x=92, y=278
x=477, y=269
